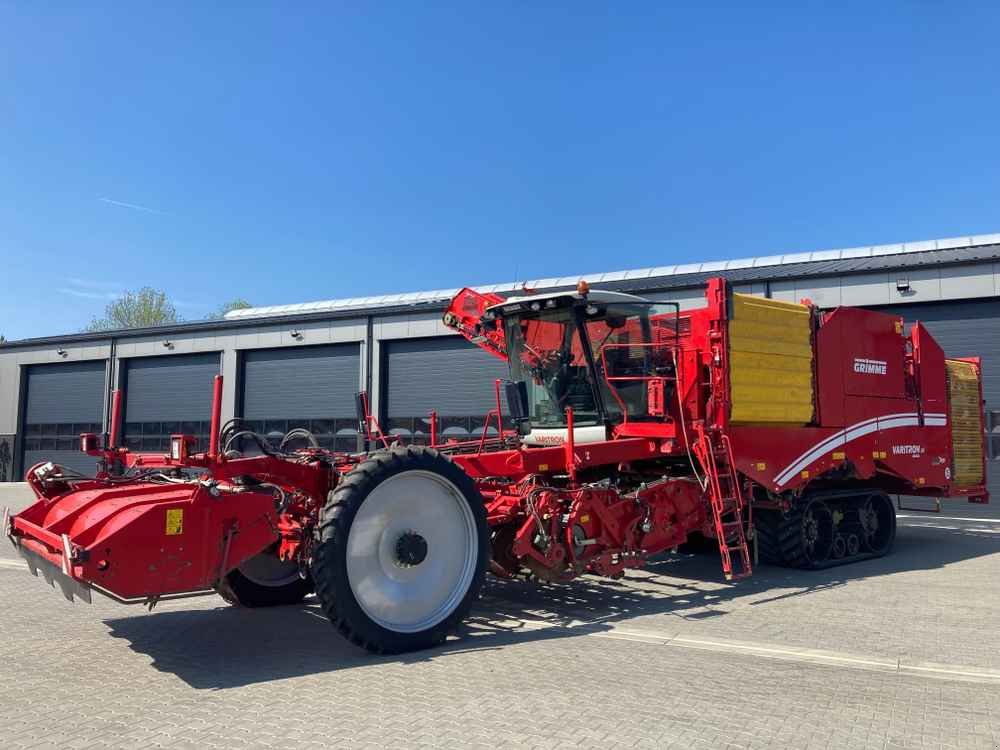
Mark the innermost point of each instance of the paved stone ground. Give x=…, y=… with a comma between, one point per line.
x=896, y=653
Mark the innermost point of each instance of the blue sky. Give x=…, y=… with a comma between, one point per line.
x=293, y=152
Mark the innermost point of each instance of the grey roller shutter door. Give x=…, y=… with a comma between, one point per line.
x=168, y=395
x=62, y=401
x=311, y=387
x=967, y=329
x=447, y=375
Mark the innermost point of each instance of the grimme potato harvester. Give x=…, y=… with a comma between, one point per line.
x=631, y=427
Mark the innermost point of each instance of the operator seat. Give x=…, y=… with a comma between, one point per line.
x=574, y=390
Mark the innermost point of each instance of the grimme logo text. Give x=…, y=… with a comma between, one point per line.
x=869, y=366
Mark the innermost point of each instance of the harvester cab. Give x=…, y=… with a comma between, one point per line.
x=599, y=358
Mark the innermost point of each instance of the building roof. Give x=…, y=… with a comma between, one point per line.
x=950, y=251
x=944, y=252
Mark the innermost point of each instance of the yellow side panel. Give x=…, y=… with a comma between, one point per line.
x=966, y=423
x=770, y=361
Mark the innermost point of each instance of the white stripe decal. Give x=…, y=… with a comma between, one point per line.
x=875, y=424
x=836, y=440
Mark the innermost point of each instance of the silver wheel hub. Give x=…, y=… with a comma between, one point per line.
x=412, y=551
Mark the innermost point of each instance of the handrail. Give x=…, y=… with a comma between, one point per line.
x=609, y=379
x=489, y=416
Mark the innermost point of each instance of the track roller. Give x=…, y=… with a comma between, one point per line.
x=806, y=538
x=877, y=519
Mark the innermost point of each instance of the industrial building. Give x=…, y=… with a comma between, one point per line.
x=301, y=364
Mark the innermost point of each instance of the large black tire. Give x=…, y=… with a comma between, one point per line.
x=250, y=590
x=409, y=549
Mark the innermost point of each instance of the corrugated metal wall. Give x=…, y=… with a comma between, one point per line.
x=448, y=375
x=166, y=396
x=62, y=400
x=311, y=387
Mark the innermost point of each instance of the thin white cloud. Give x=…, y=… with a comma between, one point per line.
x=93, y=284
x=89, y=294
x=133, y=206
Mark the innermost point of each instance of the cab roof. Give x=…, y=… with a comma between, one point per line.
x=599, y=296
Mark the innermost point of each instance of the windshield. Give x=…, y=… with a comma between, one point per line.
x=595, y=358
x=546, y=353
x=631, y=343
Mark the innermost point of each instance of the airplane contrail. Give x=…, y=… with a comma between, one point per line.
x=134, y=206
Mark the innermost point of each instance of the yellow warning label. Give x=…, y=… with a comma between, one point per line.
x=585, y=518
x=839, y=455
x=761, y=467
x=543, y=467
x=175, y=521
x=805, y=474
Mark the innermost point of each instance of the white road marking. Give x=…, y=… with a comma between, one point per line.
x=934, y=526
x=798, y=654
x=13, y=564
x=936, y=517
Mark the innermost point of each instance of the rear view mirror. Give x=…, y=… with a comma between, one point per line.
x=517, y=402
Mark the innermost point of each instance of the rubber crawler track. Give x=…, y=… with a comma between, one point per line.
x=780, y=538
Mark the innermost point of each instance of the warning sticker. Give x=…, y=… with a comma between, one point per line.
x=175, y=521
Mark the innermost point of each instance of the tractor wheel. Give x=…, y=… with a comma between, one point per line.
x=401, y=551
x=266, y=581
x=805, y=536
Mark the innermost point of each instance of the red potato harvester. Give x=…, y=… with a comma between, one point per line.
x=765, y=426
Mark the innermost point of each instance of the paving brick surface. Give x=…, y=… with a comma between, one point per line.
x=592, y=664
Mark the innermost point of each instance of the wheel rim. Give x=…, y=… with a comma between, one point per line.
x=267, y=570
x=817, y=532
x=412, y=551
x=876, y=523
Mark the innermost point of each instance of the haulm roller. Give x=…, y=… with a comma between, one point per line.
x=772, y=429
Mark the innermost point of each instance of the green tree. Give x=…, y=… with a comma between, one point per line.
x=3, y=340
x=146, y=307
x=237, y=304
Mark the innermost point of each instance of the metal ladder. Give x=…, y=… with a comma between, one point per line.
x=715, y=453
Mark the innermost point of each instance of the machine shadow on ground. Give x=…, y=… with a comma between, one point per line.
x=226, y=647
